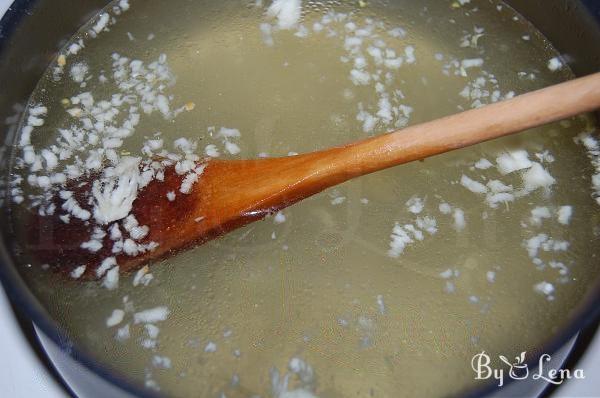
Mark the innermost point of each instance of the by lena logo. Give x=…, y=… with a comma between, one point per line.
x=518, y=369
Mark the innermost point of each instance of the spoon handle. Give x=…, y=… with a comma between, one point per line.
x=464, y=129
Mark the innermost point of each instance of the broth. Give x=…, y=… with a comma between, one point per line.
x=383, y=286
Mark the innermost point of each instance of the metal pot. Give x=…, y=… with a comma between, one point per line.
x=31, y=33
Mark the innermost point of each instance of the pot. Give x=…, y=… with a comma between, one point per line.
x=33, y=31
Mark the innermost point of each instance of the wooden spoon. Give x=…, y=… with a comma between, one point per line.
x=233, y=193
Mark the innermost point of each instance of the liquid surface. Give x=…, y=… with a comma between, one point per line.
x=384, y=286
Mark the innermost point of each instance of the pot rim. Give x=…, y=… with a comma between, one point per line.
x=587, y=311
